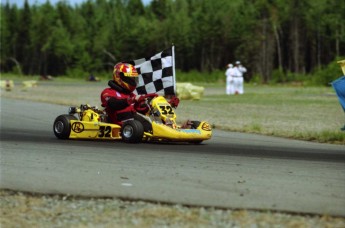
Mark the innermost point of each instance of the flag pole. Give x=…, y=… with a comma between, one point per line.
x=173, y=60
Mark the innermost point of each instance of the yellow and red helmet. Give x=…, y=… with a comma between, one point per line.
x=125, y=75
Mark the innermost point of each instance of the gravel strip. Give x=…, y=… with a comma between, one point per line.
x=20, y=209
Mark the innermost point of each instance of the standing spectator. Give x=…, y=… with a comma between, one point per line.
x=230, y=73
x=238, y=78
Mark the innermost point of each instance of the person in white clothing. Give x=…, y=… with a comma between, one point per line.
x=238, y=78
x=230, y=73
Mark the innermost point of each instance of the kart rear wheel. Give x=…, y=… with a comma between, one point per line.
x=132, y=131
x=62, y=126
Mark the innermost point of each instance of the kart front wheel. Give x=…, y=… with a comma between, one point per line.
x=195, y=124
x=132, y=131
x=62, y=126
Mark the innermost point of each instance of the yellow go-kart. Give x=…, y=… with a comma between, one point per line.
x=157, y=124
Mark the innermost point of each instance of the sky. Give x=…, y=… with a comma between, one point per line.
x=20, y=3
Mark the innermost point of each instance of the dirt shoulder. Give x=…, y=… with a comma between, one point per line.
x=34, y=210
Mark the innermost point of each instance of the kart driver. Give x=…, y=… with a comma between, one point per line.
x=119, y=101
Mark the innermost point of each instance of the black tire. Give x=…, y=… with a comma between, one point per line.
x=62, y=126
x=146, y=124
x=195, y=124
x=132, y=131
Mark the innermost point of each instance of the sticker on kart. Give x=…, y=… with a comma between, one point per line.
x=78, y=127
x=104, y=132
x=193, y=131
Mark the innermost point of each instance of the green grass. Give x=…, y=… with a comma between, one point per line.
x=307, y=113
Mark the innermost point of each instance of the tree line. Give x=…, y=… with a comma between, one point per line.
x=269, y=37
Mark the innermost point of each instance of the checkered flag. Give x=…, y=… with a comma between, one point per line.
x=156, y=73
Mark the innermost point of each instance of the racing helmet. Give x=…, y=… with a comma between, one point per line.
x=125, y=75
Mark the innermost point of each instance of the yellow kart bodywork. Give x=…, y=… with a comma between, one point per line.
x=161, y=131
x=94, y=130
x=91, y=127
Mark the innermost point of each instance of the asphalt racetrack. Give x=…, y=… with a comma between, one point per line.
x=232, y=170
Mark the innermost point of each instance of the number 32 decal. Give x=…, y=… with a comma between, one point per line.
x=104, y=131
x=166, y=110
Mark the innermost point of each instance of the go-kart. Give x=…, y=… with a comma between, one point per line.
x=158, y=123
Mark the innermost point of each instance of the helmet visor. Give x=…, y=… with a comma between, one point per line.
x=130, y=80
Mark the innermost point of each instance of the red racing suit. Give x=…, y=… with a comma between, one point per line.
x=121, y=104
x=118, y=103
